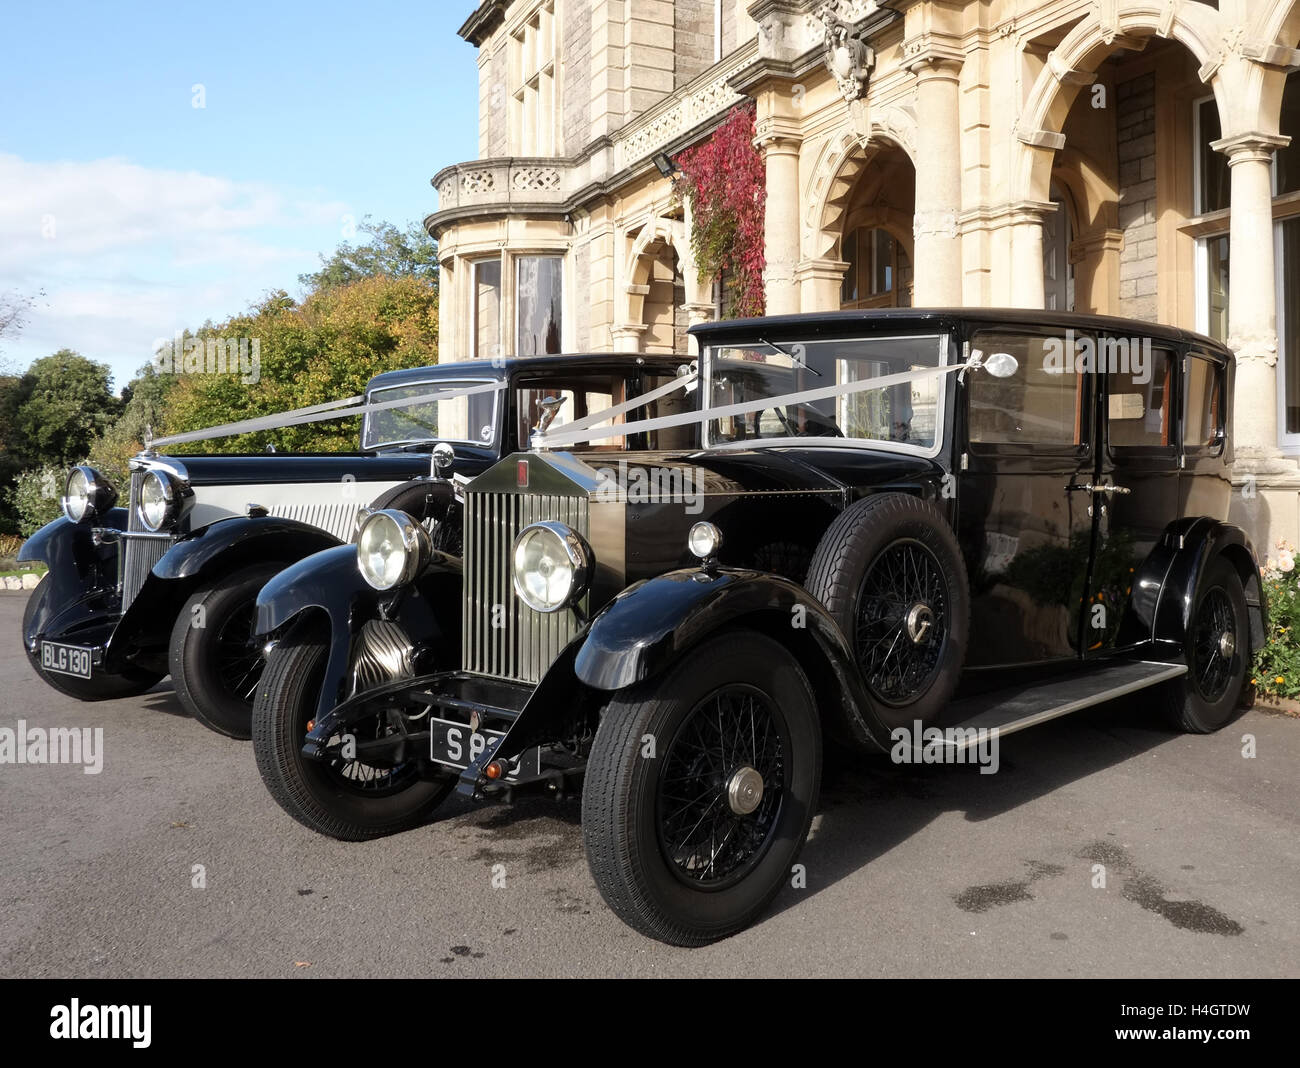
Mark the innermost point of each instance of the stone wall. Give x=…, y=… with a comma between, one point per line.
x=1135, y=133
x=692, y=39
x=575, y=76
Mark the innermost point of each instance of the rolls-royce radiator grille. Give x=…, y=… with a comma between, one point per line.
x=138, y=554
x=502, y=636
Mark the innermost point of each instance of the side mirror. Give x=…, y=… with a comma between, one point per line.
x=1001, y=364
x=443, y=456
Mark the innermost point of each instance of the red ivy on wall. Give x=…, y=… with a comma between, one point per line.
x=726, y=183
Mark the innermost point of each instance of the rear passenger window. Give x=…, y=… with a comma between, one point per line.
x=1041, y=404
x=1202, y=403
x=1139, y=403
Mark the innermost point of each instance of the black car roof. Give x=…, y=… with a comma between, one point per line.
x=837, y=323
x=498, y=369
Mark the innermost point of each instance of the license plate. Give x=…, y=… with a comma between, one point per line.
x=457, y=745
x=66, y=659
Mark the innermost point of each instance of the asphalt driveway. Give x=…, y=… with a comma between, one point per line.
x=174, y=861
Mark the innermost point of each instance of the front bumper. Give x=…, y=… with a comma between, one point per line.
x=531, y=757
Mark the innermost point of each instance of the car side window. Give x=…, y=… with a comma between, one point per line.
x=1202, y=403
x=1043, y=403
x=1139, y=399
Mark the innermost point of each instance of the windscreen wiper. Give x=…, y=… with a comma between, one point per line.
x=797, y=359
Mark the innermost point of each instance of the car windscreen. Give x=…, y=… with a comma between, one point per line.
x=906, y=415
x=469, y=419
x=582, y=395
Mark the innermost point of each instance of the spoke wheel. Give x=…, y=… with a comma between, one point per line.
x=721, y=788
x=902, y=622
x=700, y=789
x=1217, y=648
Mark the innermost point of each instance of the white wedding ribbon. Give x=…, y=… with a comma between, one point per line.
x=567, y=435
x=616, y=410
x=318, y=413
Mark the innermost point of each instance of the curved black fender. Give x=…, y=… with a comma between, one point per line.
x=81, y=605
x=329, y=583
x=651, y=625
x=203, y=556
x=1192, y=546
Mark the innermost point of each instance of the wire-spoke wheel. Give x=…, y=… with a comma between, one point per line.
x=700, y=789
x=902, y=622
x=1218, y=655
x=215, y=658
x=344, y=797
x=890, y=573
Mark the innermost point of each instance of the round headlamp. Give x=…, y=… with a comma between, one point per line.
x=392, y=548
x=704, y=540
x=162, y=500
x=552, y=564
x=87, y=494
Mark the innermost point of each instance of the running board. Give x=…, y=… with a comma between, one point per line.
x=1015, y=708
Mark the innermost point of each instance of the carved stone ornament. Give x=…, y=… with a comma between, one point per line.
x=847, y=56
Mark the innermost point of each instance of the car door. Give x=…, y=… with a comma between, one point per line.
x=1136, y=494
x=1026, y=536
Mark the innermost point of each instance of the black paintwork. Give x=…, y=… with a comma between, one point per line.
x=83, y=606
x=1146, y=552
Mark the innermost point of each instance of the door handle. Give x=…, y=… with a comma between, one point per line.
x=1088, y=487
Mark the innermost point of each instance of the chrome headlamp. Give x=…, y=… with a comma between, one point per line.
x=87, y=494
x=552, y=565
x=163, y=500
x=392, y=549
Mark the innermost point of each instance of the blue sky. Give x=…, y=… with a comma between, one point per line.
x=139, y=213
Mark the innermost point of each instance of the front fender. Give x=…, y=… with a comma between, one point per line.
x=202, y=557
x=231, y=543
x=1195, y=544
x=82, y=579
x=651, y=625
x=329, y=583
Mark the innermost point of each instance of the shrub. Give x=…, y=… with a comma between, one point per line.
x=1276, y=670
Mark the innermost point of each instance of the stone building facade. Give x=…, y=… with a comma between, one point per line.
x=1130, y=157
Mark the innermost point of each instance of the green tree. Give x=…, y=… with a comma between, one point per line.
x=409, y=253
x=144, y=404
x=58, y=408
x=324, y=349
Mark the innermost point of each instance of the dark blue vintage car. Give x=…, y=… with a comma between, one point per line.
x=910, y=531
x=166, y=585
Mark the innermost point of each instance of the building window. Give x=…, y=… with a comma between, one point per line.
x=1213, y=194
x=539, y=288
x=532, y=84
x=485, y=308
x=879, y=274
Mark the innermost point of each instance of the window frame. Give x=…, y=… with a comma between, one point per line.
x=1174, y=390
x=1083, y=450
x=437, y=384
x=1221, y=387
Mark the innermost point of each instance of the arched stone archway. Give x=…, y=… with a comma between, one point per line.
x=659, y=259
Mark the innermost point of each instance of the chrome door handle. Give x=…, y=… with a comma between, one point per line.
x=1088, y=487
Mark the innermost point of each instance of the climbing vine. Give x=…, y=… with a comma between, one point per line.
x=724, y=180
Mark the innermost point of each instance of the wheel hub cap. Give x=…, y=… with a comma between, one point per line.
x=1227, y=644
x=919, y=620
x=744, y=791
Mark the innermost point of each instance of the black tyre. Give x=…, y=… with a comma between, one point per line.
x=692, y=844
x=1218, y=654
x=347, y=800
x=890, y=572
x=216, y=665
x=127, y=683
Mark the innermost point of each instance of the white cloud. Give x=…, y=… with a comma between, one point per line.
x=125, y=253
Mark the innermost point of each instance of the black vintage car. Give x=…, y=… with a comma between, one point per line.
x=902, y=525
x=167, y=584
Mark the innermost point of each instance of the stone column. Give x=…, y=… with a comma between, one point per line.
x=780, y=218
x=697, y=312
x=1252, y=303
x=627, y=338
x=937, y=262
x=1026, y=220
x=820, y=284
